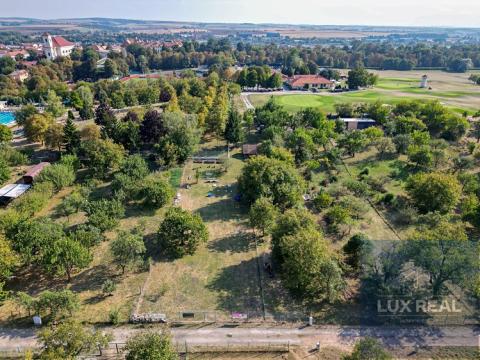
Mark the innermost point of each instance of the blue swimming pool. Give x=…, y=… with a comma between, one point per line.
x=6, y=118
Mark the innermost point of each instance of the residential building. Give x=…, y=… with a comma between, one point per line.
x=19, y=75
x=309, y=82
x=358, y=123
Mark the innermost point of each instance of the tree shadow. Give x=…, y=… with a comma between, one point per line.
x=138, y=209
x=224, y=209
x=33, y=280
x=92, y=279
x=95, y=299
x=238, y=156
x=154, y=249
x=103, y=191
x=401, y=170
x=216, y=150
x=238, y=288
x=236, y=243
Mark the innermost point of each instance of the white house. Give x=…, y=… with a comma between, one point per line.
x=56, y=46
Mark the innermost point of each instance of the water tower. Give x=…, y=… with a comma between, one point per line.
x=424, y=82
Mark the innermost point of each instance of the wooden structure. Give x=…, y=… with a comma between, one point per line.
x=207, y=160
x=249, y=150
x=33, y=172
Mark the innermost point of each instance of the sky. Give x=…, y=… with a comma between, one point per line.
x=457, y=13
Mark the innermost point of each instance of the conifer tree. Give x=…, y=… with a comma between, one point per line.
x=71, y=136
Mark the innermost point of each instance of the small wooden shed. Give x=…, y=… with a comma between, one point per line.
x=33, y=172
x=249, y=150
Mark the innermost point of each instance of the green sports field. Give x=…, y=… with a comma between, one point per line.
x=453, y=90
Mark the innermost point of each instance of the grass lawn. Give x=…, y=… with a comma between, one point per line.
x=222, y=275
x=87, y=284
x=175, y=178
x=453, y=90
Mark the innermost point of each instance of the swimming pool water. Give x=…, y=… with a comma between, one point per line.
x=6, y=118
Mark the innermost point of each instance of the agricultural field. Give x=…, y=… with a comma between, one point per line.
x=451, y=89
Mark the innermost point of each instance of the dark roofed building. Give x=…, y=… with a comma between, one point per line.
x=358, y=123
x=33, y=172
x=249, y=150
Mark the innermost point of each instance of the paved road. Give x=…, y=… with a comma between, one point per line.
x=337, y=336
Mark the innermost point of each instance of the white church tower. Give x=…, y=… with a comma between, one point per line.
x=48, y=48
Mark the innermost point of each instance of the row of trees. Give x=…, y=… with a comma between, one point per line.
x=302, y=60
x=71, y=339
x=259, y=76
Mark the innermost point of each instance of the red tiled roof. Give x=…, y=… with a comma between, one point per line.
x=34, y=171
x=28, y=63
x=141, y=76
x=59, y=41
x=14, y=53
x=302, y=80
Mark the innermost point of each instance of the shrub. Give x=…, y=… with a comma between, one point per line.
x=154, y=346
x=322, y=201
x=114, y=316
x=59, y=175
x=388, y=198
x=12, y=156
x=4, y=171
x=36, y=199
x=407, y=215
x=357, y=250
x=156, y=191
x=108, y=287
x=364, y=172
x=358, y=188
x=71, y=161
x=368, y=348
x=336, y=216
x=73, y=203
x=87, y=235
x=333, y=179
x=471, y=146
x=377, y=183
x=55, y=303
x=104, y=214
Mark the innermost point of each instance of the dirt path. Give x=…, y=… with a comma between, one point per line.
x=247, y=102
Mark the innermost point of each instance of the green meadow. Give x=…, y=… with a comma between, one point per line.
x=452, y=90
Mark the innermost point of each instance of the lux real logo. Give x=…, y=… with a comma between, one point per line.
x=399, y=306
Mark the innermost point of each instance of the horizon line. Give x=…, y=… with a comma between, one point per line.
x=243, y=23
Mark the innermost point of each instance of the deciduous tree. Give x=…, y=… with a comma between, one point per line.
x=434, y=192
x=128, y=248
x=69, y=339
x=181, y=232
x=152, y=346
x=263, y=215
